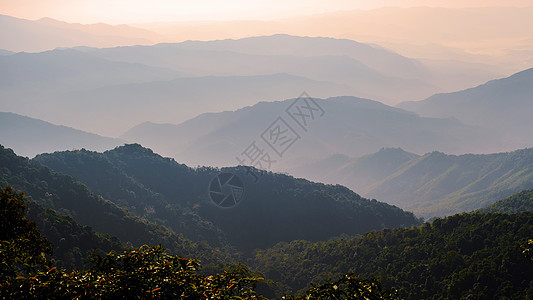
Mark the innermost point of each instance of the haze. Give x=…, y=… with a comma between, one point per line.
x=196, y=80
x=139, y=11
x=382, y=147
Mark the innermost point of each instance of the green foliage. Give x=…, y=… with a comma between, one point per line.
x=517, y=203
x=22, y=249
x=528, y=249
x=475, y=256
x=276, y=208
x=348, y=287
x=146, y=272
x=75, y=203
x=467, y=255
x=72, y=242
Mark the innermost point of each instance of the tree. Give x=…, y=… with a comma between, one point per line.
x=22, y=249
x=348, y=287
x=146, y=272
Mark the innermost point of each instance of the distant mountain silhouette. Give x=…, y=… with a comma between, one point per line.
x=350, y=126
x=124, y=86
x=437, y=184
x=69, y=70
x=358, y=173
x=364, y=67
x=434, y=184
x=30, y=137
x=502, y=105
x=47, y=34
x=375, y=57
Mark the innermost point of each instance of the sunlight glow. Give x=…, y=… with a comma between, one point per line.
x=141, y=11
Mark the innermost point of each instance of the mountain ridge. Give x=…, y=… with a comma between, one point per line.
x=30, y=136
x=275, y=207
x=501, y=105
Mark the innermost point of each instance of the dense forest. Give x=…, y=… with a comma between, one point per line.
x=275, y=207
x=519, y=202
x=474, y=256
x=26, y=272
x=73, y=201
x=100, y=240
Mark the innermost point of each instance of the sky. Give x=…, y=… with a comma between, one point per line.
x=143, y=11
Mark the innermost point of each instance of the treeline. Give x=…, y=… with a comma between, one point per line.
x=519, y=202
x=26, y=272
x=57, y=202
x=474, y=256
x=478, y=256
x=275, y=207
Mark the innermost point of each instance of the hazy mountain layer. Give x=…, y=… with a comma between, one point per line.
x=502, y=105
x=30, y=137
x=349, y=126
x=437, y=184
x=46, y=34
x=434, y=184
x=359, y=173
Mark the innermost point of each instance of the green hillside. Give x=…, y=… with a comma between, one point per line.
x=438, y=184
x=517, y=203
x=69, y=197
x=466, y=256
x=274, y=208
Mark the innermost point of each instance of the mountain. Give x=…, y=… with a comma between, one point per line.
x=29, y=136
x=365, y=68
x=272, y=207
x=434, y=184
x=359, y=173
x=517, y=203
x=68, y=69
x=46, y=34
x=323, y=169
x=124, y=86
x=44, y=85
x=66, y=196
x=349, y=126
x=5, y=52
x=502, y=105
x=375, y=57
x=424, y=34
x=72, y=242
x=438, y=184
x=120, y=107
x=458, y=257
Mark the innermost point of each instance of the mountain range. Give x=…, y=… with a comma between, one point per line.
x=434, y=184
x=29, y=136
x=47, y=34
x=156, y=83
x=273, y=208
x=350, y=126
x=460, y=246
x=501, y=105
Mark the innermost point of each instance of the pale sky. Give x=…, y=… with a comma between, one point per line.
x=141, y=11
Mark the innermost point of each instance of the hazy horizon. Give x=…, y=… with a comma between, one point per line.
x=138, y=12
x=106, y=59
x=338, y=149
